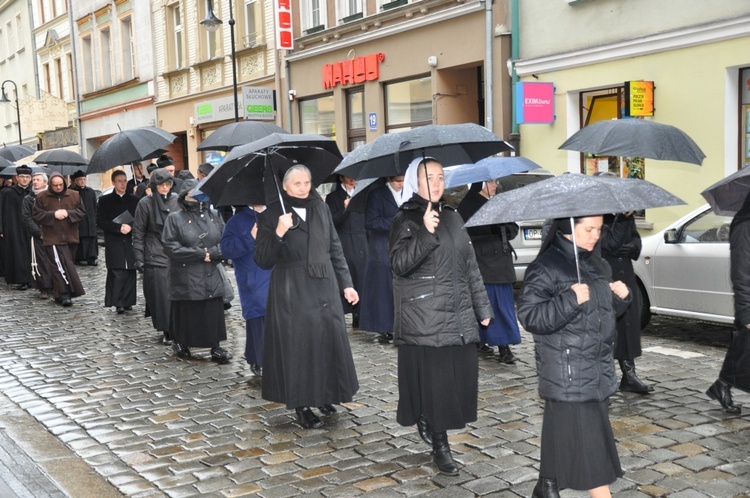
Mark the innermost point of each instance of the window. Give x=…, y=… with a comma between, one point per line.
x=105, y=49
x=251, y=22
x=19, y=33
x=42, y=12
x=313, y=15
x=70, y=94
x=59, y=77
x=175, y=37
x=11, y=39
x=355, y=121
x=88, y=63
x=349, y=10
x=317, y=116
x=706, y=228
x=2, y=45
x=408, y=104
x=47, y=78
x=208, y=41
x=744, y=120
x=128, y=48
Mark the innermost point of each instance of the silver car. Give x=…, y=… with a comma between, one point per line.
x=683, y=271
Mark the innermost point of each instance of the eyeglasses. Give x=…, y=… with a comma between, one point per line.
x=121, y=180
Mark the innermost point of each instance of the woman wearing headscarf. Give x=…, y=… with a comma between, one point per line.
x=150, y=259
x=383, y=202
x=307, y=360
x=191, y=238
x=573, y=322
x=495, y=258
x=438, y=300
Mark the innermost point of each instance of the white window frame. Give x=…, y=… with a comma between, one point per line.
x=127, y=48
x=177, y=32
x=345, y=8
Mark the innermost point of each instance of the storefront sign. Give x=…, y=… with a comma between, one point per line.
x=353, y=71
x=214, y=110
x=283, y=20
x=535, y=103
x=639, y=98
x=258, y=103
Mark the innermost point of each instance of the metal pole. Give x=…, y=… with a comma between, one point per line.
x=18, y=108
x=234, y=64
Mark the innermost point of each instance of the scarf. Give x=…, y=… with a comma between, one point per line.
x=37, y=192
x=161, y=211
x=317, y=234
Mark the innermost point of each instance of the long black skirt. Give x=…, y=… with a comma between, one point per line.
x=88, y=249
x=578, y=447
x=156, y=294
x=120, y=288
x=198, y=324
x=439, y=383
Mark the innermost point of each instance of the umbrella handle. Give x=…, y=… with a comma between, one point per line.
x=269, y=169
x=575, y=248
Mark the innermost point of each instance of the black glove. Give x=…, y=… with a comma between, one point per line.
x=215, y=253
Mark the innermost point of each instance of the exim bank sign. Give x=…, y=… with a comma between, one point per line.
x=255, y=103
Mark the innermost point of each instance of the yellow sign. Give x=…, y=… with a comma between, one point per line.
x=639, y=98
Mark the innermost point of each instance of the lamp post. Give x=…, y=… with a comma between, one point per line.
x=5, y=98
x=212, y=23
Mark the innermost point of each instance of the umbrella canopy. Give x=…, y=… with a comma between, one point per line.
x=727, y=196
x=15, y=152
x=10, y=171
x=129, y=146
x=572, y=196
x=278, y=152
x=358, y=201
x=65, y=162
x=5, y=163
x=390, y=154
x=232, y=135
x=635, y=138
x=488, y=168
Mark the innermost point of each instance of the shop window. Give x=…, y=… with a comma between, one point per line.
x=355, y=121
x=408, y=104
x=317, y=116
x=744, y=118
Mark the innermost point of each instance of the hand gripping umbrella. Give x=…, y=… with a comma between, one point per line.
x=233, y=135
x=129, y=146
x=572, y=196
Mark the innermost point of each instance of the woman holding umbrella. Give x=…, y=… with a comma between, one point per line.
x=438, y=299
x=573, y=322
x=307, y=360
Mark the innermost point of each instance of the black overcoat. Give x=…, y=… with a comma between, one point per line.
x=87, y=226
x=17, y=244
x=147, y=244
x=118, y=247
x=376, y=308
x=307, y=360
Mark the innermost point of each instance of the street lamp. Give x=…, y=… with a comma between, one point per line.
x=212, y=23
x=5, y=98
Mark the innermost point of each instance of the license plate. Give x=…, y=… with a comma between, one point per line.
x=532, y=234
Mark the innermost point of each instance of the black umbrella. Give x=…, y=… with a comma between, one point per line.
x=65, y=162
x=15, y=152
x=278, y=152
x=390, y=154
x=130, y=146
x=358, y=200
x=232, y=135
x=5, y=163
x=727, y=196
x=635, y=138
x=10, y=171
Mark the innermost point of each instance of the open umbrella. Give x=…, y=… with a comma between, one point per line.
x=727, y=196
x=15, y=152
x=232, y=135
x=635, y=138
x=10, y=171
x=63, y=161
x=488, y=168
x=276, y=152
x=5, y=163
x=390, y=154
x=358, y=200
x=128, y=146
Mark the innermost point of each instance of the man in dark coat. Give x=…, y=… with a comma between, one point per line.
x=88, y=247
x=144, y=189
x=115, y=216
x=350, y=227
x=39, y=266
x=735, y=372
x=58, y=211
x=138, y=178
x=17, y=246
x=167, y=163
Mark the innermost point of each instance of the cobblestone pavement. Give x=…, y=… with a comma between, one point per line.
x=153, y=425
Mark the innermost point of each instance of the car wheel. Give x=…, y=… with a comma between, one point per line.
x=644, y=306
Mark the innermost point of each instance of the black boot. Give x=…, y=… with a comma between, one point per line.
x=505, y=355
x=441, y=454
x=424, y=430
x=722, y=393
x=630, y=381
x=546, y=488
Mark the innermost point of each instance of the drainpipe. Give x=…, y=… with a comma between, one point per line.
x=515, y=136
x=33, y=51
x=488, y=36
x=289, y=102
x=75, y=79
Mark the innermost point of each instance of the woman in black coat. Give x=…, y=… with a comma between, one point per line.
x=307, y=360
x=191, y=238
x=383, y=202
x=573, y=323
x=438, y=300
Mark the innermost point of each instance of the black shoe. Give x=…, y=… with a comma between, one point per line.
x=23, y=287
x=80, y=263
x=630, y=381
x=385, y=338
x=256, y=370
x=166, y=340
x=220, y=355
x=227, y=306
x=128, y=308
x=120, y=310
x=181, y=350
x=327, y=410
x=485, y=349
x=723, y=394
x=93, y=263
x=424, y=430
x=505, y=355
x=546, y=488
x=307, y=419
x=441, y=454
x=67, y=302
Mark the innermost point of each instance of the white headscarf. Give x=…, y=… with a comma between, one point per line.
x=411, y=183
